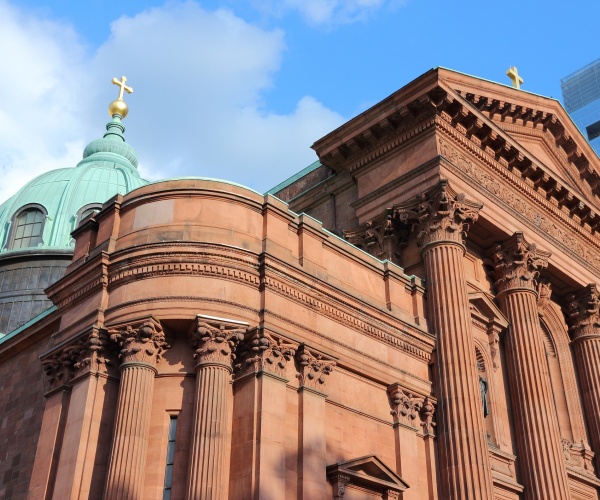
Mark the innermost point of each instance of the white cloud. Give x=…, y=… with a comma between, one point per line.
x=199, y=78
x=327, y=12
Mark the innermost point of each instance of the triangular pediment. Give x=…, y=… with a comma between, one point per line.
x=539, y=124
x=484, y=308
x=369, y=472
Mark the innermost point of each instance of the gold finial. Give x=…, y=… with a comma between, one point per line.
x=513, y=74
x=119, y=106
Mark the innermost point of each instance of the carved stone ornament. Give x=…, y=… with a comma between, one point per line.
x=578, y=455
x=544, y=290
x=58, y=367
x=142, y=342
x=518, y=263
x=86, y=353
x=215, y=340
x=367, y=474
x=383, y=236
x=440, y=215
x=264, y=351
x=583, y=312
x=411, y=409
x=313, y=367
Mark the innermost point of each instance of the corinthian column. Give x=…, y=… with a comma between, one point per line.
x=442, y=219
x=142, y=346
x=214, y=340
x=584, y=314
x=540, y=456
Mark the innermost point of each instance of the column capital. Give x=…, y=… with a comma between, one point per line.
x=313, y=367
x=140, y=341
x=88, y=352
x=407, y=406
x=440, y=215
x=264, y=351
x=518, y=264
x=583, y=312
x=215, y=340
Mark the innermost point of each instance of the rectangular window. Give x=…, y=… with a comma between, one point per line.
x=593, y=130
x=170, y=458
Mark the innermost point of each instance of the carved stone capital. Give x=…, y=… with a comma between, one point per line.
x=264, y=351
x=215, y=340
x=382, y=236
x=583, y=312
x=440, y=215
x=87, y=352
x=427, y=414
x=91, y=353
x=140, y=342
x=405, y=406
x=518, y=263
x=411, y=409
x=313, y=367
x=58, y=367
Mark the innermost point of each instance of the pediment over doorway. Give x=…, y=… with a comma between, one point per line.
x=364, y=478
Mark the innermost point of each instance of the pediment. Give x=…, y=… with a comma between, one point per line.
x=368, y=472
x=485, y=310
x=538, y=124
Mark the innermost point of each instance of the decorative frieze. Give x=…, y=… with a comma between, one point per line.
x=411, y=409
x=214, y=340
x=527, y=203
x=440, y=215
x=583, y=312
x=313, y=367
x=518, y=263
x=140, y=342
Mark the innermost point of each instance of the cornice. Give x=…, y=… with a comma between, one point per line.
x=328, y=339
x=355, y=316
x=169, y=262
x=548, y=120
x=523, y=201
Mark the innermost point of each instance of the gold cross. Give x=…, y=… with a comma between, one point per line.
x=121, y=84
x=513, y=74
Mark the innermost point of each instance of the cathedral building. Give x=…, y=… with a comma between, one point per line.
x=414, y=316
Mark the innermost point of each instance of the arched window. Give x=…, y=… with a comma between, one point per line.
x=28, y=227
x=86, y=210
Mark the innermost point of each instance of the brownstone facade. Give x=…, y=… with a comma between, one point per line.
x=427, y=328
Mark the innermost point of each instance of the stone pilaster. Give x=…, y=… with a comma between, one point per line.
x=214, y=341
x=142, y=344
x=540, y=458
x=259, y=415
x=77, y=376
x=412, y=414
x=313, y=369
x=583, y=311
x=441, y=218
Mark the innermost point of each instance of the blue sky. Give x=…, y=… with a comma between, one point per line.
x=240, y=89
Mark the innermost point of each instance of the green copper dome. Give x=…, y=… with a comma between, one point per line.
x=56, y=201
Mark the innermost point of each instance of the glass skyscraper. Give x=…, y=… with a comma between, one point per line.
x=581, y=96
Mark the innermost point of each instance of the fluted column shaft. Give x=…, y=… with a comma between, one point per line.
x=142, y=346
x=583, y=311
x=209, y=464
x=464, y=459
x=538, y=439
x=126, y=477
x=214, y=341
x=587, y=360
x=442, y=217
